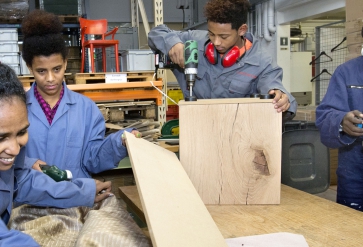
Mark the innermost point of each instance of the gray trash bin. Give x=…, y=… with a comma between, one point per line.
x=305, y=160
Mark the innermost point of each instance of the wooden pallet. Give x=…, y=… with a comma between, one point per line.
x=68, y=18
x=120, y=111
x=27, y=80
x=87, y=78
x=10, y=20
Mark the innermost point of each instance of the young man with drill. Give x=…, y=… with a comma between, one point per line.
x=231, y=63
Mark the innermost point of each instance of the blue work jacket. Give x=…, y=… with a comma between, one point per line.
x=340, y=99
x=75, y=140
x=254, y=73
x=24, y=185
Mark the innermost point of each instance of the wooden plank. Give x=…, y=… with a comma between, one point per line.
x=225, y=101
x=132, y=199
x=104, y=86
x=231, y=150
x=321, y=222
x=99, y=77
x=175, y=214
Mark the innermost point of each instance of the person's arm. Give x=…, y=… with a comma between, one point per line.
x=161, y=38
x=171, y=42
x=39, y=189
x=15, y=238
x=332, y=110
x=270, y=81
x=102, y=153
x=30, y=162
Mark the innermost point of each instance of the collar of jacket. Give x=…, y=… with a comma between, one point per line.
x=67, y=96
x=253, y=55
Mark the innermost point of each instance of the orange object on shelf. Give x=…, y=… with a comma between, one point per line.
x=120, y=91
x=97, y=27
x=172, y=112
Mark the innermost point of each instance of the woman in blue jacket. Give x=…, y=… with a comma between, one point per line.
x=66, y=128
x=24, y=185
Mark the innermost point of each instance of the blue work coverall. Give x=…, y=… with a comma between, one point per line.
x=254, y=73
x=75, y=140
x=24, y=185
x=340, y=99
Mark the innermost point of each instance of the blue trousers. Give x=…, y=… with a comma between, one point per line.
x=350, y=187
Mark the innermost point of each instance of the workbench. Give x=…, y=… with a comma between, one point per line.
x=320, y=221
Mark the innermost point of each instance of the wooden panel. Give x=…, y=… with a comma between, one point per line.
x=175, y=214
x=120, y=91
x=231, y=150
x=321, y=222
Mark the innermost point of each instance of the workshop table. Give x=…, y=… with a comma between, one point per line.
x=320, y=221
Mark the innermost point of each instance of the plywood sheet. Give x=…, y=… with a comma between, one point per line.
x=231, y=150
x=175, y=214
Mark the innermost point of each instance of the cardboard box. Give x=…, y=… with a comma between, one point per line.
x=306, y=113
x=352, y=56
x=354, y=25
x=355, y=38
x=353, y=9
x=302, y=98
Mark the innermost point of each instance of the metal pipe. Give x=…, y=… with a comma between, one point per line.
x=266, y=32
x=271, y=16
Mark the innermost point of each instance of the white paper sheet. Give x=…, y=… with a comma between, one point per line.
x=281, y=239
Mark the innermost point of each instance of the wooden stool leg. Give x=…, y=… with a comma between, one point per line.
x=83, y=58
x=92, y=59
x=104, y=59
x=116, y=58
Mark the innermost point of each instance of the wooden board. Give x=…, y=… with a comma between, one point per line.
x=322, y=222
x=231, y=149
x=84, y=78
x=175, y=214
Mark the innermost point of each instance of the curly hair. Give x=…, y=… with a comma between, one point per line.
x=42, y=36
x=227, y=11
x=10, y=86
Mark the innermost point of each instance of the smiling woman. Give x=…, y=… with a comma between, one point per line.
x=19, y=184
x=13, y=117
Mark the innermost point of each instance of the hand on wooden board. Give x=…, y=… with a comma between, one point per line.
x=281, y=100
x=136, y=133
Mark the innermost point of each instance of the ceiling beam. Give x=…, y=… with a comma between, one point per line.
x=293, y=11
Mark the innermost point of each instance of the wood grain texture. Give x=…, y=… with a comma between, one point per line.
x=174, y=212
x=321, y=222
x=231, y=150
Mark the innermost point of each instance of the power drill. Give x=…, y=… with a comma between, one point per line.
x=163, y=61
x=191, y=66
x=56, y=173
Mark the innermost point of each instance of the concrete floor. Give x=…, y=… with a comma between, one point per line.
x=329, y=194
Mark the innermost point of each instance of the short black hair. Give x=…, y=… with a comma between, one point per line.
x=10, y=86
x=227, y=11
x=42, y=36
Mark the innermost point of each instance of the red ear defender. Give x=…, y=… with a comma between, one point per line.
x=210, y=53
x=230, y=57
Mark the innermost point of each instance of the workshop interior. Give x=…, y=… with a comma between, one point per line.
x=190, y=165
